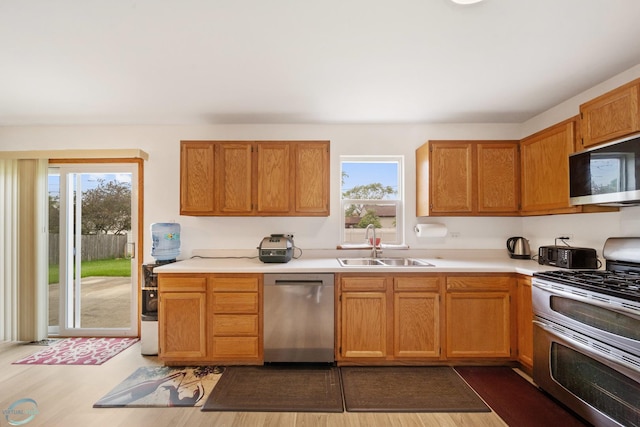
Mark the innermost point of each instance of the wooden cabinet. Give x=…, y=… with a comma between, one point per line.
x=467, y=178
x=245, y=178
x=612, y=115
x=498, y=174
x=234, y=168
x=416, y=317
x=182, y=321
x=311, y=168
x=545, y=169
x=210, y=318
x=236, y=321
x=525, y=321
x=478, y=317
x=363, y=309
x=197, y=179
x=385, y=318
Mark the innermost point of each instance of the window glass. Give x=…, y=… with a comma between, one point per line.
x=371, y=189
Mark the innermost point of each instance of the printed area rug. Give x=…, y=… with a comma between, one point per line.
x=277, y=389
x=408, y=389
x=516, y=400
x=162, y=386
x=78, y=351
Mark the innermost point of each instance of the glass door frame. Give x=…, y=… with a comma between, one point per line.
x=66, y=325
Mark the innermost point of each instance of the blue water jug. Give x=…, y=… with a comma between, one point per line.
x=166, y=240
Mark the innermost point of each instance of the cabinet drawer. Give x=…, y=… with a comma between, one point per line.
x=416, y=283
x=182, y=283
x=235, y=347
x=373, y=283
x=235, y=302
x=235, y=324
x=463, y=283
x=234, y=284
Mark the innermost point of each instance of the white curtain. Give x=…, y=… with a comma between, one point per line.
x=24, y=250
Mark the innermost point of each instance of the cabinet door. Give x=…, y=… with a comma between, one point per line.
x=312, y=178
x=197, y=178
x=610, y=116
x=182, y=325
x=416, y=324
x=498, y=177
x=451, y=177
x=234, y=186
x=364, y=320
x=275, y=173
x=478, y=324
x=545, y=168
x=525, y=322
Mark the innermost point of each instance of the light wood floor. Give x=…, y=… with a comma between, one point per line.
x=65, y=396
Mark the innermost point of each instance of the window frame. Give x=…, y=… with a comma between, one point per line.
x=398, y=201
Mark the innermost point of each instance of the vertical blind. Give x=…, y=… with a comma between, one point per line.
x=23, y=262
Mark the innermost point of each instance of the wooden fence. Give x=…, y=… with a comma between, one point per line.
x=94, y=247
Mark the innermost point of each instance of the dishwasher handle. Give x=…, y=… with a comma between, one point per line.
x=300, y=279
x=297, y=283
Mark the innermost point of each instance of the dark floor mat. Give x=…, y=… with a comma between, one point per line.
x=277, y=389
x=408, y=389
x=514, y=399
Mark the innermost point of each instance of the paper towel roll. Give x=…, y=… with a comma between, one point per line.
x=430, y=230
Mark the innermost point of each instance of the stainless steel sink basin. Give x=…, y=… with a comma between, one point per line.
x=383, y=262
x=348, y=262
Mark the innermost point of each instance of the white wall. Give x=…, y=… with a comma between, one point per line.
x=161, y=178
x=161, y=190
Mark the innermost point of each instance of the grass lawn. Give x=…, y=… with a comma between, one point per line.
x=119, y=267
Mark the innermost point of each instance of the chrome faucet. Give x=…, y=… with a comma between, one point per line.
x=374, y=251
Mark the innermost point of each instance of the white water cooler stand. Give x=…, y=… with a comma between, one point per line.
x=149, y=337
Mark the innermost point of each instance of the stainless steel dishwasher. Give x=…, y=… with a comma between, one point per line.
x=298, y=317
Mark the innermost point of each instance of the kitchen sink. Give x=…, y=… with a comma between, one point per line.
x=383, y=262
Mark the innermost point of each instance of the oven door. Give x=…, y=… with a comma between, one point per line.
x=608, y=319
x=598, y=382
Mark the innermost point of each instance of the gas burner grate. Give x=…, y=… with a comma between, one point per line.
x=623, y=284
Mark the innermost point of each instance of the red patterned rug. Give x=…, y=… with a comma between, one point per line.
x=79, y=351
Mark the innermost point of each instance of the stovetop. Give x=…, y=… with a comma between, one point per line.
x=621, y=284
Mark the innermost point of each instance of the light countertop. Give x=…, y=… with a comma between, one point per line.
x=325, y=261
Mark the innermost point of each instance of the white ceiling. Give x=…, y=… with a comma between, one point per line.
x=303, y=61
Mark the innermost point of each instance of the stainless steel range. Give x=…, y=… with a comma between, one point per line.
x=587, y=336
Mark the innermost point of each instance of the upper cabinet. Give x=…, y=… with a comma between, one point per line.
x=467, y=178
x=545, y=169
x=244, y=178
x=612, y=115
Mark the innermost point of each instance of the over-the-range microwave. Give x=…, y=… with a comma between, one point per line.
x=607, y=174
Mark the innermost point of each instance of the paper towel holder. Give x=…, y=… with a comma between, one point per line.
x=430, y=230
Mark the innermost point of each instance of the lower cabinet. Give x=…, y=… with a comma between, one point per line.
x=182, y=321
x=363, y=325
x=210, y=318
x=235, y=318
x=386, y=318
x=421, y=318
x=478, y=317
x=416, y=317
x=525, y=322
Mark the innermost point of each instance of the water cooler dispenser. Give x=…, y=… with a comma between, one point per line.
x=165, y=248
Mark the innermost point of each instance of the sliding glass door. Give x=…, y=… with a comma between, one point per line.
x=92, y=232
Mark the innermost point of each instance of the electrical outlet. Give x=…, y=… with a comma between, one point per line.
x=454, y=234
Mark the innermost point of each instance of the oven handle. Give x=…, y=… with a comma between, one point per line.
x=608, y=305
x=581, y=346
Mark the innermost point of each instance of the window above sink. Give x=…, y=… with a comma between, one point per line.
x=372, y=193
